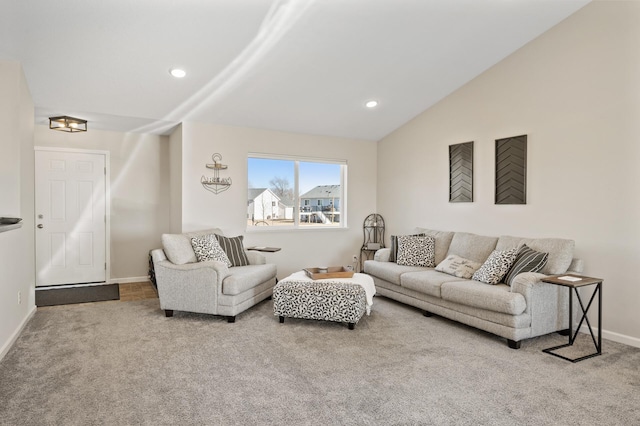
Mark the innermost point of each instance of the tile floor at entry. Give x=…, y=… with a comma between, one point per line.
x=137, y=291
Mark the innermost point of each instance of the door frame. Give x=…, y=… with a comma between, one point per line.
x=107, y=196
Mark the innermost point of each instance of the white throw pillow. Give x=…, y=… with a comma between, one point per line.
x=414, y=250
x=207, y=247
x=458, y=266
x=496, y=266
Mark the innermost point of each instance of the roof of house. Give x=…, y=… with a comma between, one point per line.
x=253, y=193
x=323, y=191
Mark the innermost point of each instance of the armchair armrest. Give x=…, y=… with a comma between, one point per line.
x=192, y=287
x=218, y=268
x=255, y=258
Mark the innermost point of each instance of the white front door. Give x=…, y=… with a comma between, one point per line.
x=70, y=209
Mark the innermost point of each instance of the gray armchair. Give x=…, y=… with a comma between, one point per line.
x=208, y=287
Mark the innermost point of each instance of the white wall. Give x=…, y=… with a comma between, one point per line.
x=175, y=176
x=16, y=199
x=228, y=210
x=575, y=91
x=140, y=192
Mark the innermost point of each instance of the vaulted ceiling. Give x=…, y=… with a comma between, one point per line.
x=304, y=66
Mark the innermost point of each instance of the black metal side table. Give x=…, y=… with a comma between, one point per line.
x=572, y=281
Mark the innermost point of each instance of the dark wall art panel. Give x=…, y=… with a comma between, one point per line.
x=461, y=173
x=511, y=170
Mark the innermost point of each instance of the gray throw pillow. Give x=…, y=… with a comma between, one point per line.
x=234, y=249
x=496, y=266
x=527, y=260
x=206, y=247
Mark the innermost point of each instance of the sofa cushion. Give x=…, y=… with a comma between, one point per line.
x=427, y=282
x=443, y=240
x=472, y=246
x=458, y=266
x=414, y=250
x=527, y=260
x=178, y=249
x=496, y=266
x=243, y=278
x=206, y=247
x=560, y=251
x=495, y=298
x=234, y=249
x=506, y=242
x=389, y=271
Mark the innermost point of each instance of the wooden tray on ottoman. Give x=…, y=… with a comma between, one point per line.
x=332, y=272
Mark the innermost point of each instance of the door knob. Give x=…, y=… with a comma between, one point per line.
x=40, y=226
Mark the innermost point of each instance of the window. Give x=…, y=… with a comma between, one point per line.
x=299, y=193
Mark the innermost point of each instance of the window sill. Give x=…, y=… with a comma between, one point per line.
x=267, y=229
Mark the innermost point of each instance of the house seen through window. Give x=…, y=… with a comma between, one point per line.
x=289, y=192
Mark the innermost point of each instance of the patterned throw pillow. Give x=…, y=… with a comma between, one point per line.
x=458, y=266
x=527, y=260
x=496, y=266
x=206, y=247
x=415, y=250
x=393, y=255
x=234, y=249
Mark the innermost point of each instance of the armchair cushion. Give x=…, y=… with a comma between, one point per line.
x=243, y=278
x=178, y=249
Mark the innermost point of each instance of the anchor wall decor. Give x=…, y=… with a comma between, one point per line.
x=215, y=183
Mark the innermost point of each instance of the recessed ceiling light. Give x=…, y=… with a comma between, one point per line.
x=177, y=72
x=371, y=104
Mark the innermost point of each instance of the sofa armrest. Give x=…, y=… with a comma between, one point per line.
x=547, y=304
x=255, y=258
x=382, y=255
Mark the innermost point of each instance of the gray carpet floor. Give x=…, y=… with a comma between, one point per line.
x=124, y=363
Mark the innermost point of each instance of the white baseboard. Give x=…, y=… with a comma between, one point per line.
x=129, y=280
x=616, y=337
x=5, y=349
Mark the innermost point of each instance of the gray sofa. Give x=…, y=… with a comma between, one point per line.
x=526, y=309
x=208, y=287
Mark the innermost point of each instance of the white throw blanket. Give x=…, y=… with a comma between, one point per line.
x=364, y=280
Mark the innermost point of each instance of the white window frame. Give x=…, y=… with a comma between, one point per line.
x=296, y=208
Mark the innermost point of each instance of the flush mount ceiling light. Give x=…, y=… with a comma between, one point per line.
x=371, y=104
x=68, y=124
x=177, y=72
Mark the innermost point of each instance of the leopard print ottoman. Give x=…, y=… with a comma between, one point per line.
x=323, y=300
